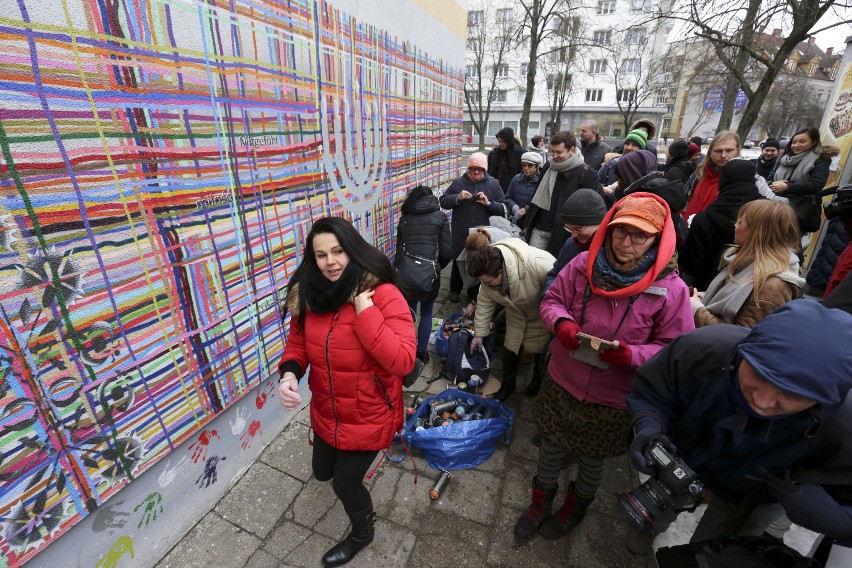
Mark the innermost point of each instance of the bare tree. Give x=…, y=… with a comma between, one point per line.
x=790, y=105
x=559, y=65
x=541, y=20
x=489, y=37
x=636, y=73
x=733, y=29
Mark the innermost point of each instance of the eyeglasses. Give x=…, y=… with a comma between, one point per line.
x=575, y=230
x=476, y=170
x=636, y=238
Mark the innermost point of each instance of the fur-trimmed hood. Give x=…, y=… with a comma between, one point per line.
x=367, y=281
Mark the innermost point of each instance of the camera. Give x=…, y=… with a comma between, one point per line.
x=656, y=503
x=841, y=205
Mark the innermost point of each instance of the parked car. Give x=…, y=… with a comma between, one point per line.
x=749, y=144
x=708, y=140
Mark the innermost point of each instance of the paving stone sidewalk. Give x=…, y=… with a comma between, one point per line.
x=278, y=515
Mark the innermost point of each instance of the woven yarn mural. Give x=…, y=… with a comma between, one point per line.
x=161, y=164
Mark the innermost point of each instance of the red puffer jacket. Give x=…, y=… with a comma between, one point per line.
x=357, y=365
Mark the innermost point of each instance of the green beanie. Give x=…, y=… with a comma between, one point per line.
x=638, y=136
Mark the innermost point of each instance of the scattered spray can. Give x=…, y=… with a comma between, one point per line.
x=440, y=485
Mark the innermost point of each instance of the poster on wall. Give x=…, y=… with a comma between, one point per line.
x=838, y=128
x=160, y=166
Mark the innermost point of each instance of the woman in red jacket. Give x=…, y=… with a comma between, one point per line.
x=351, y=324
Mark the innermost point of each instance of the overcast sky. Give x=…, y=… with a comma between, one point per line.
x=835, y=37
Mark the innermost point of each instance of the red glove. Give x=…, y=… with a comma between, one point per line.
x=566, y=332
x=620, y=357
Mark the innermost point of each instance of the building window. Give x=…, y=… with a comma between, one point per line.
x=494, y=127
x=812, y=69
x=594, y=95
x=500, y=95
x=637, y=6
x=522, y=94
x=630, y=66
x=525, y=42
x=474, y=18
x=833, y=73
x=606, y=6
x=597, y=66
x=532, y=126
x=626, y=95
x=504, y=16
x=472, y=95
x=635, y=36
x=791, y=66
x=473, y=44
x=470, y=71
x=661, y=98
x=503, y=70
x=602, y=37
x=525, y=67
x=551, y=81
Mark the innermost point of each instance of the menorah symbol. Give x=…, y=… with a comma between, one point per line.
x=355, y=173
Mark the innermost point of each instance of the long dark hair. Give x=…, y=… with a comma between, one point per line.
x=414, y=196
x=812, y=133
x=367, y=257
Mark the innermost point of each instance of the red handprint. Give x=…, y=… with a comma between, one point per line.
x=199, y=448
x=263, y=396
x=248, y=436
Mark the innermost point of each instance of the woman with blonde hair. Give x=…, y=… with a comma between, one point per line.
x=762, y=270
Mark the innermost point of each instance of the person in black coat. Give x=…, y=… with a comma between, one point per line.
x=678, y=167
x=712, y=230
x=768, y=158
x=423, y=231
x=473, y=197
x=504, y=161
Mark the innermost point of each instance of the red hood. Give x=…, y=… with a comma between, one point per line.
x=664, y=254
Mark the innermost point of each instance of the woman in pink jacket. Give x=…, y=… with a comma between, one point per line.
x=625, y=290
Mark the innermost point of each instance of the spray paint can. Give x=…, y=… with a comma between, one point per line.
x=440, y=485
x=439, y=407
x=474, y=381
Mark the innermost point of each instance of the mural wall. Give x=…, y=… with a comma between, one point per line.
x=161, y=164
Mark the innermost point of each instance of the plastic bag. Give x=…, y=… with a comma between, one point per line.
x=462, y=444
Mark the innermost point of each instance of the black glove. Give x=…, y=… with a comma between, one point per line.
x=646, y=431
x=812, y=507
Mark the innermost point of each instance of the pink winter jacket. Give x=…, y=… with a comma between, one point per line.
x=659, y=315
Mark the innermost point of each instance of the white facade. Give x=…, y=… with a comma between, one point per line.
x=614, y=42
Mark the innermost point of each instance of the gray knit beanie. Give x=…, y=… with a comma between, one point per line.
x=584, y=207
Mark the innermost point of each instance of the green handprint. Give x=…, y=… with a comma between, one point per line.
x=151, y=502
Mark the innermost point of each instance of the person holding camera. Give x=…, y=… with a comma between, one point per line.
x=473, y=197
x=625, y=291
x=739, y=407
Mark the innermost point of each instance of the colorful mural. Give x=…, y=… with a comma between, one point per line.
x=161, y=164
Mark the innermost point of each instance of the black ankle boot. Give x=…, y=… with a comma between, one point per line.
x=361, y=535
x=511, y=362
x=570, y=515
x=423, y=356
x=538, y=374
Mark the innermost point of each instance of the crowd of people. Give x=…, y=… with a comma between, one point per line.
x=603, y=266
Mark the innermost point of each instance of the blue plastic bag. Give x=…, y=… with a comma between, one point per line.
x=462, y=444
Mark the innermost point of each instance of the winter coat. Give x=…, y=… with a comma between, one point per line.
x=425, y=232
x=656, y=316
x=691, y=388
x=526, y=268
x=712, y=230
x=678, y=169
x=567, y=183
x=833, y=244
x=803, y=196
x=519, y=196
x=503, y=165
x=765, y=168
x=593, y=154
x=570, y=250
x=776, y=291
x=606, y=173
x=469, y=213
x=356, y=366
x=843, y=267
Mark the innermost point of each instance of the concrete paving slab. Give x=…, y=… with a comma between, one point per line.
x=262, y=559
x=392, y=547
x=449, y=540
x=290, y=452
x=212, y=542
x=309, y=553
x=410, y=502
x=313, y=502
x=285, y=539
x=335, y=523
x=472, y=495
x=259, y=499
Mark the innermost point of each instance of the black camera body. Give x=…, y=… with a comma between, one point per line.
x=656, y=503
x=841, y=205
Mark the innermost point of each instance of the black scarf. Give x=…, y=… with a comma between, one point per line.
x=321, y=295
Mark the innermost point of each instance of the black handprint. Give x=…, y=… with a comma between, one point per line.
x=209, y=476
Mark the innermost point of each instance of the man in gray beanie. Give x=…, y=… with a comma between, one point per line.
x=581, y=214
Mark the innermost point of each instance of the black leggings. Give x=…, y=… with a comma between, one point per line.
x=346, y=469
